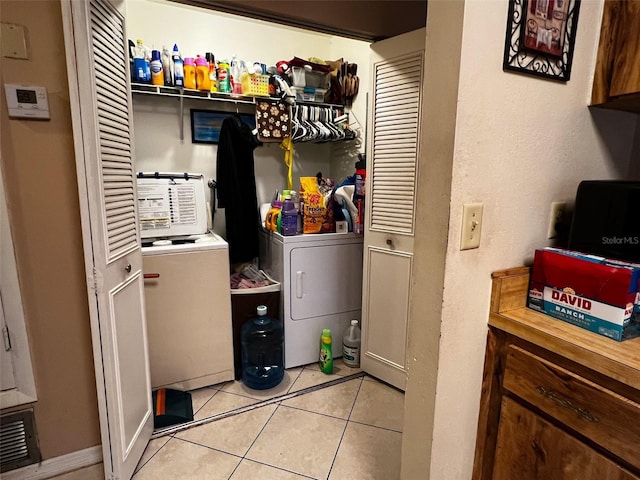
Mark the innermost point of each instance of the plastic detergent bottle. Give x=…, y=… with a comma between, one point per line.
x=289, y=217
x=326, y=355
x=351, y=345
x=202, y=74
x=271, y=221
x=166, y=67
x=262, y=344
x=359, y=195
x=157, y=75
x=295, y=198
x=140, y=63
x=224, y=77
x=213, y=72
x=189, y=73
x=178, y=67
x=236, y=86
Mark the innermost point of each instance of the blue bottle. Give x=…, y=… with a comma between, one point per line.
x=142, y=73
x=262, y=341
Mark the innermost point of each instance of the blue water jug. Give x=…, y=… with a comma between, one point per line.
x=262, y=341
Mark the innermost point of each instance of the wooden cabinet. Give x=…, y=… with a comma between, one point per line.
x=558, y=402
x=531, y=448
x=616, y=82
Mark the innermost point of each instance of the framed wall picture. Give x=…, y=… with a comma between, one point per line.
x=206, y=124
x=540, y=37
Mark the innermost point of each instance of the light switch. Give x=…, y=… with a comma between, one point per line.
x=471, y=226
x=14, y=43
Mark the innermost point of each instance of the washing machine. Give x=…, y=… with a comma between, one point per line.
x=186, y=284
x=321, y=287
x=188, y=311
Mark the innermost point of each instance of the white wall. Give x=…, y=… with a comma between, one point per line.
x=345, y=154
x=196, y=31
x=520, y=143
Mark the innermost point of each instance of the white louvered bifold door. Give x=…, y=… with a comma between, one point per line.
x=395, y=144
x=98, y=71
x=392, y=154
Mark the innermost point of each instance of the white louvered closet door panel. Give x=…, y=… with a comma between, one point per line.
x=115, y=143
x=98, y=68
x=392, y=162
x=394, y=149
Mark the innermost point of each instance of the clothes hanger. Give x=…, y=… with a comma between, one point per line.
x=336, y=134
x=301, y=130
x=312, y=131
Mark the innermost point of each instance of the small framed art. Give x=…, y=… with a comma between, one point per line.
x=206, y=124
x=540, y=37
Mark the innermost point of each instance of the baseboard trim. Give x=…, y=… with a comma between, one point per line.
x=57, y=465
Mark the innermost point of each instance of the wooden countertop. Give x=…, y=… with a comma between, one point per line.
x=617, y=360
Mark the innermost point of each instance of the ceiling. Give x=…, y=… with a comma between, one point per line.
x=361, y=19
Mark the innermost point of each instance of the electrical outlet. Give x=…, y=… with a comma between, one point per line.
x=471, y=226
x=556, y=215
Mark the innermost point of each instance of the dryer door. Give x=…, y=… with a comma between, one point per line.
x=325, y=280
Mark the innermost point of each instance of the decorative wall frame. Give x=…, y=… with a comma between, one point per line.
x=540, y=37
x=206, y=124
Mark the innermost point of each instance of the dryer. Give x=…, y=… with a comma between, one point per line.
x=321, y=278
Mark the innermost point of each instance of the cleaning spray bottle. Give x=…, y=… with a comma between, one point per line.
x=326, y=355
x=178, y=67
x=236, y=86
x=166, y=67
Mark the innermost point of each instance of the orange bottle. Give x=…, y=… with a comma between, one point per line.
x=202, y=74
x=271, y=220
x=189, y=73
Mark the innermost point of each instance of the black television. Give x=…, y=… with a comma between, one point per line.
x=606, y=219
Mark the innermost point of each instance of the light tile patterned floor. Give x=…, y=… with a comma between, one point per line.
x=352, y=430
x=333, y=433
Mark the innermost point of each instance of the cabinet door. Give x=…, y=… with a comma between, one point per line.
x=325, y=280
x=530, y=448
x=626, y=68
x=397, y=70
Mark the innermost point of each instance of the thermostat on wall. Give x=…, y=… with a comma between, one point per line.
x=25, y=101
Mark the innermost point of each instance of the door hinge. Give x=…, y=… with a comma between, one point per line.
x=95, y=281
x=6, y=338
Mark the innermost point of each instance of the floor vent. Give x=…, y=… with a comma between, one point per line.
x=18, y=444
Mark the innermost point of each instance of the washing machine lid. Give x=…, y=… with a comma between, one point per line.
x=184, y=244
x=171, y=203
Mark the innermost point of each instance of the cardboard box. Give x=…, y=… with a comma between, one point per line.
x=595, y=293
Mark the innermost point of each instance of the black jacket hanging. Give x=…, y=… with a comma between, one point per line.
x=236, y=187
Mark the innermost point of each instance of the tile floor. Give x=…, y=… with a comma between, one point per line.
x=351, y=430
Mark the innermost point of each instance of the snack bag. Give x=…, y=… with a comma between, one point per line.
x=314, y=208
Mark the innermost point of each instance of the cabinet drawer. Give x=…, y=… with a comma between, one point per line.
x=608, y=419
x=531, y=448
